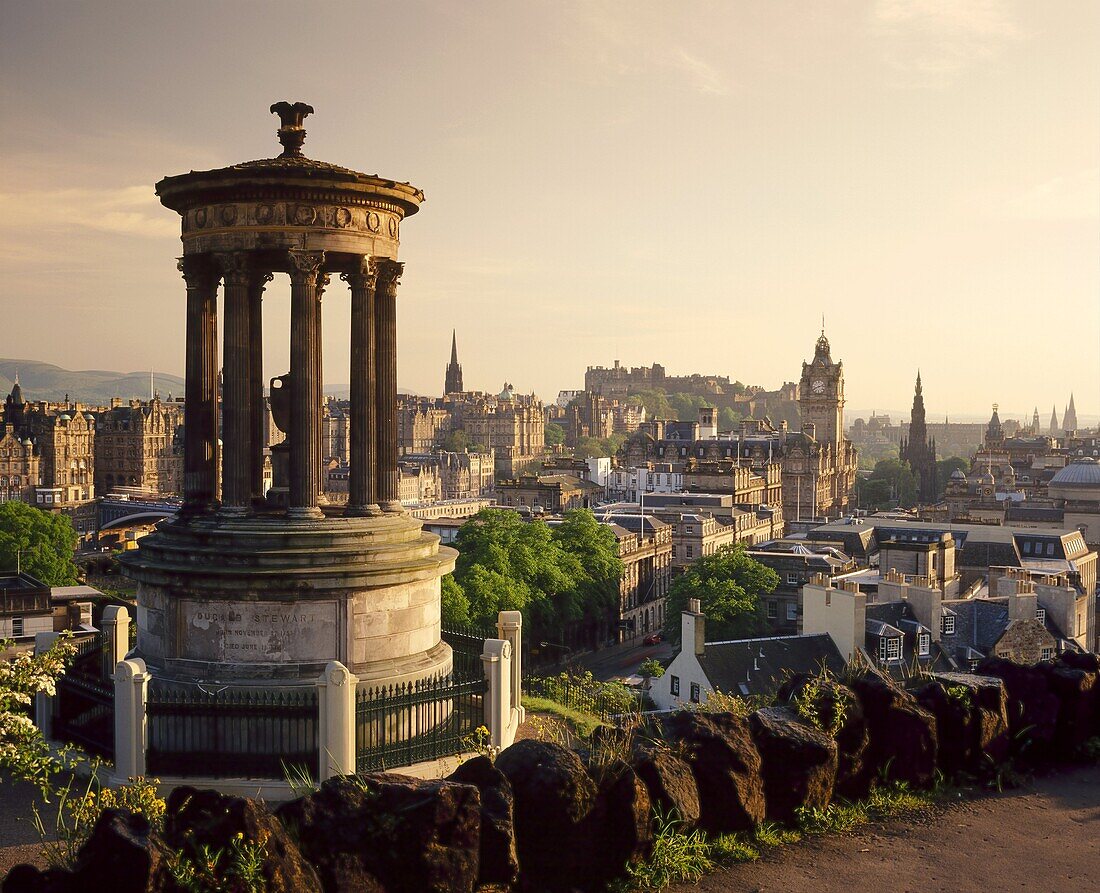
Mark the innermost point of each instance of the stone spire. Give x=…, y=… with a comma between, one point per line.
x=453, y=383
x=1069, y=420
x=919, y=450
x=1055, y=428
x=1035, y=421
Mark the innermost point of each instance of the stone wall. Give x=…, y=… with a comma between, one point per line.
x=546, y=818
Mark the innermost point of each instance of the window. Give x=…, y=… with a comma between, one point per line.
x=773, y=609
x=695, y=693
x=792, y=579
x=924, y=644
x=1027, y=547
x=973, y=665
x=16, y=626
x=690, y=551
x=947, y=625
x=674, y=685
x=889, y=648
x=1047, y=654
x=1041, y=615
x=792, y=612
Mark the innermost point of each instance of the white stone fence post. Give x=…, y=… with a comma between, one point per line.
x=44, y=705
x=336, y=721
x=501, y=662
x=116, y=624
x=131, y=729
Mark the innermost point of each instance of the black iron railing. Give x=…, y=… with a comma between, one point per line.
x=85, y=713
x=231, y=732
x=467, y=645
x=400, y=725
x=582, y=692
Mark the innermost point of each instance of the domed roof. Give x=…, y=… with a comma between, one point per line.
x=1079, y=473
x=65, y=417
x=958, y=475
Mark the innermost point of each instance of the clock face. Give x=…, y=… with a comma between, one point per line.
x=818, y=386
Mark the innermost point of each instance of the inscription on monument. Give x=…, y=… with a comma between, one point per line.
x=251, y=632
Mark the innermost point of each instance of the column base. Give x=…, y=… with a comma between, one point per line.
x=393, y=507
x=234, y=511
x=304, y=512
x=371, y=510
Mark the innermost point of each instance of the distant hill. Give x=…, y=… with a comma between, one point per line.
x=43, y=381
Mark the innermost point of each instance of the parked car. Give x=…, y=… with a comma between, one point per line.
x=654, y=639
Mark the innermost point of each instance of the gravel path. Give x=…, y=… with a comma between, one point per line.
x=1042, y=838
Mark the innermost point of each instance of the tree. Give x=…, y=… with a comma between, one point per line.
x=687, y=406
x=555, y=577
x=456, y=442
x=728, y=419
x=454, y=606
x=728, y=584
x=651, y=669
x=655, y=402
x=891, y=484
x=41, y=543
x=589, y=446
x=554, y=434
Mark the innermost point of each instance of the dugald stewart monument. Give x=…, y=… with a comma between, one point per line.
x=241, y=586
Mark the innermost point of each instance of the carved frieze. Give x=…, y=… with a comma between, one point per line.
x=314, y=215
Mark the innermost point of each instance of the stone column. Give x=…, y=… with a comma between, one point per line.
x=363, y=473
x=510, y=628
x=336, y=739
x=237, y=385
x=43, y=703
x=496, y=661
x=116, y=624
x=200, y=462
x=319, y=377
x=385, y=326
x=305, y=389
x=256, y=382
x=131, y=692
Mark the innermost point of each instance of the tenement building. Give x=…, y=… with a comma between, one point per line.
x=139, y=447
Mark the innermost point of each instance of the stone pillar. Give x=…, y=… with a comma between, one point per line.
x=496, y=661
x=237, y=385
x=319, y=378
x=305, y=389
x=510, y=628
x=363, y=473
x=200, y=461
x=131, y=693
x=43, y=703
x=385, y=306
x=257, y=409
x=116, y=624
x=336, y=739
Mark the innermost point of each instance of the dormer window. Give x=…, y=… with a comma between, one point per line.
x=924, y=644
x=889, y=649
x=1041, y=615
x=947, y=625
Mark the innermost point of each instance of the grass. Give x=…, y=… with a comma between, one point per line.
x=680, y=856
x=582, y=724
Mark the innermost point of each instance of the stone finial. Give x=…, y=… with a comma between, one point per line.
x=292, y=133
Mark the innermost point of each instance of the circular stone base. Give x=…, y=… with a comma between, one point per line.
x=240, y=600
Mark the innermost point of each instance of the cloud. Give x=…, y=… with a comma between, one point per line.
x=928, y=42
x=702, y=76
x=1073, y=196
x=127, y=210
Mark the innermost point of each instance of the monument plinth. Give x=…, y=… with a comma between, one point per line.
x=244, y=586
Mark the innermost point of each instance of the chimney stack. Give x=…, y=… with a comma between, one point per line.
x=693, y=627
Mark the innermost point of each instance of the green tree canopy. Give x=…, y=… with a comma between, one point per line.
x=729, y=419
x=946, y=467
x=554, y=575
x=728, y=584
x=456, y=442
x=891, y=484
x=655, y=402
x=41, y=543
x=554, y=434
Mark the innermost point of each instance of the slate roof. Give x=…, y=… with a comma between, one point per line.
x=759, y=666
x=896, y=620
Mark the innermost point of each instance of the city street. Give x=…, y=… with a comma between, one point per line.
x=620, y=662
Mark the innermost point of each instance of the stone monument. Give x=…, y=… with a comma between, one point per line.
x=243, y=587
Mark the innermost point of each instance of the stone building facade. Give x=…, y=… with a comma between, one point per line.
x=919, y=450
x=512, y=425
x=140, y=446
x=19, y=473
x=422, y=424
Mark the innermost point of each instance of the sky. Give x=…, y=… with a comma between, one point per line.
x=692, y=183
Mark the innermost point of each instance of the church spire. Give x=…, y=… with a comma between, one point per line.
x=1069, y=420
x=453, y=380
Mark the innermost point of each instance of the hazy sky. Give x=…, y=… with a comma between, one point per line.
x=691, y=183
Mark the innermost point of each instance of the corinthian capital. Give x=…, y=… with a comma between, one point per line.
x=365, y=277
x=197, y=270
x=235, y=267
x=389, y=275
x=305, y=266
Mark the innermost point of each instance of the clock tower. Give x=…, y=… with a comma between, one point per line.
x=821, y=395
